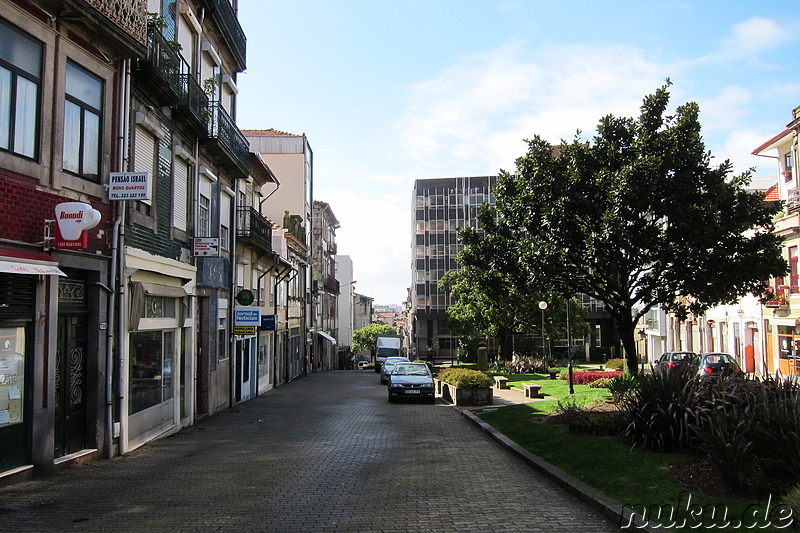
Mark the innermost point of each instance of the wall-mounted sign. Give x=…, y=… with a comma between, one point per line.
x=246, y=316
x=245, y=297
x=269, y=322
x=244, y=330
x=129, y=186
x=206, y=246
x=73, y=220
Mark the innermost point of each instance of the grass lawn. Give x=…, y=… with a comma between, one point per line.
x=636, y=478
x=555, y=389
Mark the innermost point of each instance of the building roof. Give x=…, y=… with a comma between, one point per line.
x=771, y=194
x=268, y=133
x=772, y=143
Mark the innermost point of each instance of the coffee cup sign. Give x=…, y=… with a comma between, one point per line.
x=73, y=219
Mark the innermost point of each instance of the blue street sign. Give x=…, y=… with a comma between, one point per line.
x=269, y=322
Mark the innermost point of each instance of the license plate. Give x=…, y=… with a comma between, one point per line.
x=412, y=391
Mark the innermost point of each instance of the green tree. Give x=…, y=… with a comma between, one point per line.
x=637, y=217
x=493, y=298
x=364, y=338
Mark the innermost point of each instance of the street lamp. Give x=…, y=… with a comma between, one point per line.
x=543, y=306
x=569, y=352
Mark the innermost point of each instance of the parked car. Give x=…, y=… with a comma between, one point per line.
x=672, y=360
x=388, y=365
x=715, y=364
x=411, y=381
x=363, y=364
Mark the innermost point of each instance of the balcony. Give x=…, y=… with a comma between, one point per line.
x=778, y=300
x=253, y=229
x=225, y=17
x=192, y=107
x=121, y=24
x=161, y=68
x=331, y=285
x=227, y=141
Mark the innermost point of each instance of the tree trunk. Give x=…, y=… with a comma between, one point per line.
x=627, y=331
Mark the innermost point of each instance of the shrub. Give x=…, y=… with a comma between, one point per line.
x=727, y=440
x=792, y=500
x=601, y=383
x=615, y=364
x=465, y=378
x=622, y=385
x=668, y=408
x=531, y=365
x=602, y=424
x=584, y=378
x=501, y=367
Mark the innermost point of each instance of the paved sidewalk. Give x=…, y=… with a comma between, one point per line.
x=324, y=453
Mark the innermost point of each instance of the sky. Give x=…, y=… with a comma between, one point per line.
x=388, y=92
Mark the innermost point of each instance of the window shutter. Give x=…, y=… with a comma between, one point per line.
x=180, y=193
x=144, y=155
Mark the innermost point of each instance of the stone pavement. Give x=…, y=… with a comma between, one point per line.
x=326, y=452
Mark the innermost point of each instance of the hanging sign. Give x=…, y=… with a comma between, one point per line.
x=73, y=220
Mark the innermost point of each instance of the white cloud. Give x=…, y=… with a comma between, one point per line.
x=476, y=113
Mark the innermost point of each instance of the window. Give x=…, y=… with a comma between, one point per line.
x=788, y=165
x=20, y=82
x=222, y=339
x=150, y=369
x=225, y=222
x=12, y=375
x=204, y=208
x=793, y=272
x=82, y=120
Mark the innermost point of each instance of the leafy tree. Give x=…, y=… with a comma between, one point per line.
x=637, y=217
x=364, y=338
x=491, y=297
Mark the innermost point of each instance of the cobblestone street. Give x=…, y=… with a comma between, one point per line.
x=324, y=453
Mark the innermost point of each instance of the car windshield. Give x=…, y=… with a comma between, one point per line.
x=412, y=370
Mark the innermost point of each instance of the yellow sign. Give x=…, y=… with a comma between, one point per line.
x=244, y=330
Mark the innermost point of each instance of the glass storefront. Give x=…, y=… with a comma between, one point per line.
x=150, y=369
x=12, y=375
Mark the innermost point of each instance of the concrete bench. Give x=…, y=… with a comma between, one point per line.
x=501, y=382
x=553, y=374
x=532, y=390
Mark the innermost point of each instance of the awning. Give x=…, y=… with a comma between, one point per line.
x=326, y=336
x=167, y=291
x=14, y=261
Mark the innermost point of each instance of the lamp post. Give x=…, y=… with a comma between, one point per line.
x=543, y=306
x=569, y=352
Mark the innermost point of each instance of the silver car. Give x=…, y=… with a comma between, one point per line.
x=388, y=365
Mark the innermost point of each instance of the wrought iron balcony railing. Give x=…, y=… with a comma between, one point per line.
x=228, y=138
x=162, y=67
x=232, y=32
x=192, y=106
x=253, y=228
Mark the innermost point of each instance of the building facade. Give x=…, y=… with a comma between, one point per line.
x=57, y=147
x=325, y=287
x=440, y=208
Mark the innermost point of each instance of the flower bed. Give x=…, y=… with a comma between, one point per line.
x=584, y=378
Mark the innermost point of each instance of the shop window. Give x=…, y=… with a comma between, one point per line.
x=150, y=369
x=12, y=375
x=20, y=86
x=159, y=307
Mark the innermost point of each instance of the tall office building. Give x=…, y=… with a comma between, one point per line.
x=441, y=207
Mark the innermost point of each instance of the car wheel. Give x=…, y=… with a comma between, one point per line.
x=383, y=381
x=392, y=399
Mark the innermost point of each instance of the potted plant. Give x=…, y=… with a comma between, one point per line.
x=462, y=386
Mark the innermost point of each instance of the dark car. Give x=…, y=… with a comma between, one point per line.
x=411, y=381
x=388, y=365
x=672, y=360
x=716, y=364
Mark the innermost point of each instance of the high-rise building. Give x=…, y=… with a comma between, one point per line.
x=441, y=207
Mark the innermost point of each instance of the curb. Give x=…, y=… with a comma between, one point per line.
x=594, y=499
